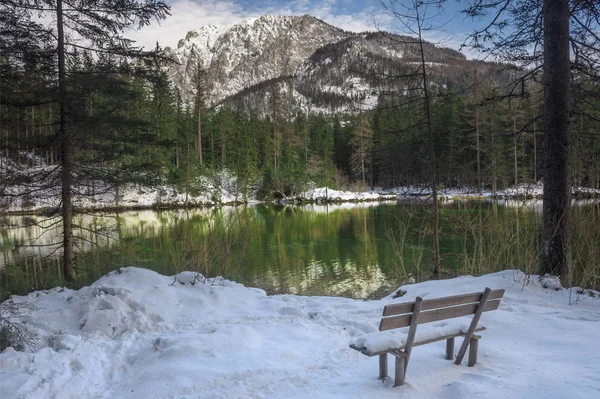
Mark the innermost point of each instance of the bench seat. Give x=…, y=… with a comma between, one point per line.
x=382, y=342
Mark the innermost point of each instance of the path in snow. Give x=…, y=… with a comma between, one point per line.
x=135, y=334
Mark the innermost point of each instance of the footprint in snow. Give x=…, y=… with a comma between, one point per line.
x=207, y=330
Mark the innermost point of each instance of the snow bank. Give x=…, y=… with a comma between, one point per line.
x=526, y=190
x=325, y=194
x=220, y=189
x=522, y=191
x=382, y=340
x=443, y=193
x=536, y=190
x=137, y=334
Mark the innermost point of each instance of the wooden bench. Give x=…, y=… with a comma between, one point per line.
x=410, y=314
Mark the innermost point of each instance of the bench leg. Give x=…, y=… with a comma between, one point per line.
x=383, y=366
x=473, y=352
x=450, y=349
x=399, y=377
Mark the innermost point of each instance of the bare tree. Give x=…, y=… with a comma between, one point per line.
x=201, y=82
x=362, y=143
x=477, y=135
x=413, y=19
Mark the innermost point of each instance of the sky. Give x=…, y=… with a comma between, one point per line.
x=448, y=28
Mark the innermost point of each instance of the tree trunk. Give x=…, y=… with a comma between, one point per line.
x=274, y=146
x=187, y=174
x=18, y=136
x=199, y=132
x=362, y=159
x=223, y=153
x=434, y=210
x=66, y=152
x=493, y=147
x=33, y=137
x=213, y=157
x=515, y=151
x=200, y=94
x=557, y=142
x=51, y=129
x=534, y=153
x=478, y=144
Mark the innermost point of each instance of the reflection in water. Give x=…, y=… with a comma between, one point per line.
x=347, y=249
x=537, y=205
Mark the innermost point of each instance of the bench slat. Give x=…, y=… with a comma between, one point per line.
x=407, y=307
x=436, y=315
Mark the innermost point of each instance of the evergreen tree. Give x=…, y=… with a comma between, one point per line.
x=201, y=86
x=362, y=145
x=95, y=26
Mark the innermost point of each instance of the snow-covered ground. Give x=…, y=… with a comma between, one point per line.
x=219, y=190
x=137, y=334
x=522, y=190
x=222, y=189
x=536, y=190
x=325, y=194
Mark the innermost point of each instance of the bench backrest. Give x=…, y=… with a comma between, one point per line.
x=400, y=314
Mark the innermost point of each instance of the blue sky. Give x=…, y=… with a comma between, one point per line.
x=449, y=28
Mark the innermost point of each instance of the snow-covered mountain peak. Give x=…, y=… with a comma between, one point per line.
x=316, y=67
x=248, y=52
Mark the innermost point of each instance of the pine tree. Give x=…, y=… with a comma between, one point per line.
x=98, y=26
x=201, y=85
x=362, y=145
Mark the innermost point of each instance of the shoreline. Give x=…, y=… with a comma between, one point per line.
x=157, y=199
x=170, y=207
x=287, y=202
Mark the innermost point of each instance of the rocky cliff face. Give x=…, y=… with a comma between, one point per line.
x=247, y=53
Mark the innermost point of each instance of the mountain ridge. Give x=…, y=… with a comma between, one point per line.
x=313, y=66
x=239, y=55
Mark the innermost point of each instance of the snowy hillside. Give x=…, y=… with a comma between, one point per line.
x=137, y=334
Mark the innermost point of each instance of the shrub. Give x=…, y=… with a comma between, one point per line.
x=13, y=330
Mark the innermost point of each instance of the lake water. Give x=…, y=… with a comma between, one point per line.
x=354, y=250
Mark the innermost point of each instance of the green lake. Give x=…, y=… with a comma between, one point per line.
x=355, y=250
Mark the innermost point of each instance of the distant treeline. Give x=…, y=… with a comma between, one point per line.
x=142, y=121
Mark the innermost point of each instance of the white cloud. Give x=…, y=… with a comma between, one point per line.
x=189, y=15
x=326, y=10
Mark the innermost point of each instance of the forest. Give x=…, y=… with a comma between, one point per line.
x=133, y=127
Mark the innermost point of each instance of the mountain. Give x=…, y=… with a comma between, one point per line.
x=303, y=63
x=244, y=54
